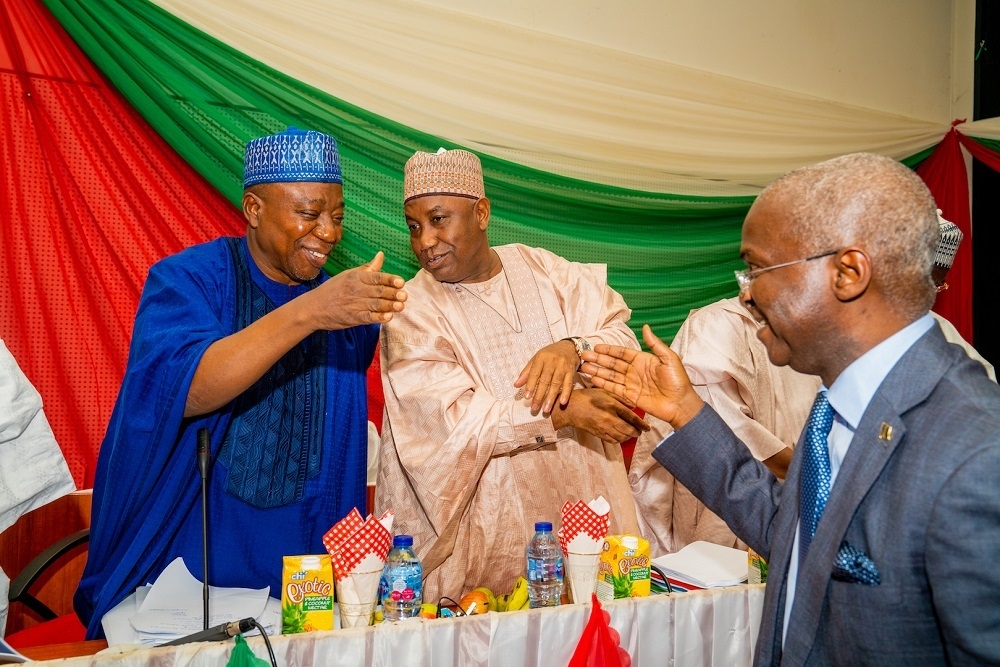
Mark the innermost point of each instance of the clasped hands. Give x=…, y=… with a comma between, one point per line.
x=548, y=380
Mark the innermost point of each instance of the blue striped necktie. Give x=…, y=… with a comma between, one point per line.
x=814, y=481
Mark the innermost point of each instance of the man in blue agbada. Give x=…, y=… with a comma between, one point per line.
x=247, y=337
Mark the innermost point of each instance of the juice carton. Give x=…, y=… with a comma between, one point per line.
x=756, y=568
x=624, y=568
x=306, y=594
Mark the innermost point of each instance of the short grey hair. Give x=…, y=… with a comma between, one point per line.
x=875, y=203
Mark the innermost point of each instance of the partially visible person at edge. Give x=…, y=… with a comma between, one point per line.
x=489, y=427
x=882, y=540
x=944, y=257
x=248, y=338
x=33, y=471
x=765, y=405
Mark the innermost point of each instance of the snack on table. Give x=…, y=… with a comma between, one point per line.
x=624, y=568
x=306, y=594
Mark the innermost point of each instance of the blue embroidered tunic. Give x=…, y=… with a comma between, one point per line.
x=289, y=454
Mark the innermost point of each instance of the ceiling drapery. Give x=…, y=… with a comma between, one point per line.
x=597, y=155
x=563, y=106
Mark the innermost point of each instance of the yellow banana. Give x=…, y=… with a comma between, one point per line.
x=502, y=602
x=519, y=596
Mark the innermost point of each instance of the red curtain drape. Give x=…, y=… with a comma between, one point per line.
x=90, y=197
x=987, y=156
x=945, y=174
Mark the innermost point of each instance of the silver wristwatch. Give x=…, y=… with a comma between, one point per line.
x=581, y=345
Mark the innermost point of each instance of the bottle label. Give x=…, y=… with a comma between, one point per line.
x=403, y=583
x=540, y=571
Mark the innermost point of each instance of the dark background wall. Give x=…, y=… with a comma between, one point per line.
x=986, y=189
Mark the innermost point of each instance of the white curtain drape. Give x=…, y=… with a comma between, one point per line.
x=710, y=628
x=564, y=106
x=987, y=128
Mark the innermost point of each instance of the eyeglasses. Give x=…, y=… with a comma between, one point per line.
x=942, y=287
x=746, y=276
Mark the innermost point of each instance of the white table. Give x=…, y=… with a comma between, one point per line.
x=715, y=627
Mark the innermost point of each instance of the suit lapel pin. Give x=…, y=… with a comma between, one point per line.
x=885, y=433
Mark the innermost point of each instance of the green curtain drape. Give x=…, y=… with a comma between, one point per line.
x=992, y=144
x=665, y=253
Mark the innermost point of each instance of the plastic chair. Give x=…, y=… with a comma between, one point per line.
x=20, y=586
x=54, y=629
x=44, y=554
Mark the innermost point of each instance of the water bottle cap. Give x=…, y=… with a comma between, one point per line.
x=402, y=541
x=543, y=527
x=630, y=542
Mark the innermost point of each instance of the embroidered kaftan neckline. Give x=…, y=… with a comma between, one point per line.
x=495, y=292
x=504, y=351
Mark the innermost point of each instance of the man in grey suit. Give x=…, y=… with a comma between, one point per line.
x=884, y=541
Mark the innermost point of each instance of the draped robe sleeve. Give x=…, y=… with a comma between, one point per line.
x=143, y=487
x=33, y=471
x=461, y=468
x=146, y=507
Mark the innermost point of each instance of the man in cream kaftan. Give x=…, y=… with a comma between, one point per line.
x=764, y=404
x=466, y=464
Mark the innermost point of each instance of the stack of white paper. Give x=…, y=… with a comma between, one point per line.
x=9, y=655
x=173, y=607
x=705, y=565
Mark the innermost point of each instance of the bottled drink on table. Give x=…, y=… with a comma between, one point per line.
x=545, y=567
x=402, y=581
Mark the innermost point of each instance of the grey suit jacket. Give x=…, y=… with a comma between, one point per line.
x=923, y=505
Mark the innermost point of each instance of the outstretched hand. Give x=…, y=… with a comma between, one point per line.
x=362, y=295
x=655, y=382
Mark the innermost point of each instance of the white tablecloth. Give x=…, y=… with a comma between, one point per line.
x=716, y=627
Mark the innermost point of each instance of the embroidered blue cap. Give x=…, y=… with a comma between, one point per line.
x=292, y=156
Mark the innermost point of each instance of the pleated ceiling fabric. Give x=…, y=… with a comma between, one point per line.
x=559, y=105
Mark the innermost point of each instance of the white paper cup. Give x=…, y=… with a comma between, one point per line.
x=354, y=615
x=581, y=569
x=356, y=597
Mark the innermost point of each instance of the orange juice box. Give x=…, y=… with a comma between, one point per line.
x=306, y=594
x=756, y=568
x=624, y=568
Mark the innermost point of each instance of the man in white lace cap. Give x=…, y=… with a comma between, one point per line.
x=944, y=257
x=489, y=427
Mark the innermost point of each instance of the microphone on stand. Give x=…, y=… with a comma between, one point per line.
x=218, y=633
x=225, y=630
x=204, y=461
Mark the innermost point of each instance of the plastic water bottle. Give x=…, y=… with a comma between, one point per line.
x=403, y=581
x=545, y=567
